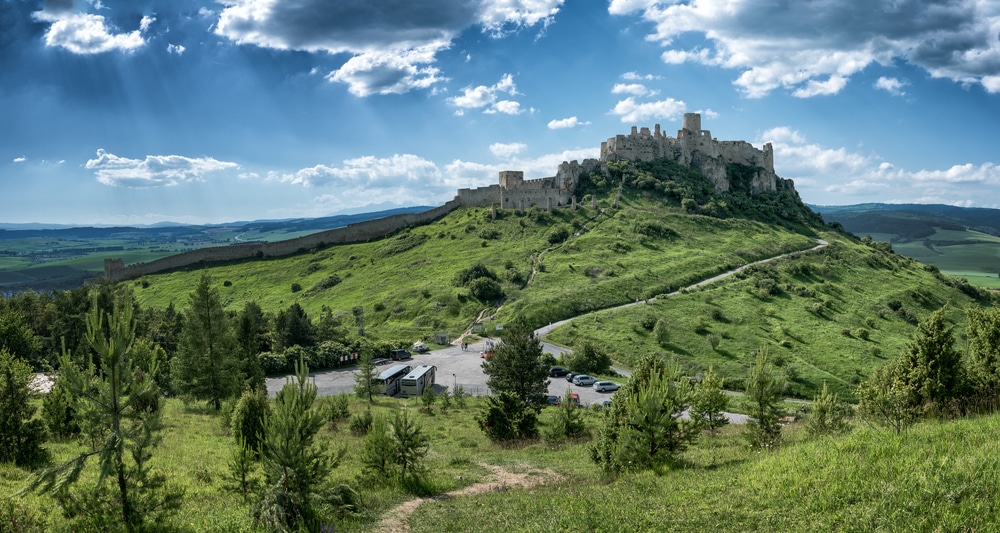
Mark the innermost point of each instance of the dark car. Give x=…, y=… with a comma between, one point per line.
x=569, y=376
x=399, y=355
x=556, y=372
x=552, y=400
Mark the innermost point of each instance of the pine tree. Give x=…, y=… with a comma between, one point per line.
x=983, y=331
x=828, y=414
x=206, y=367
x=762, y=402
x=120, y=413
x=709, y=402
x=931, y=366
x=366, y=377
x=518, y=366
x=21, y=435
x=296, y=464
x=251, y=338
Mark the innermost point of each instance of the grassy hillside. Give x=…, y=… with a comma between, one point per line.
x=935, y=477
x=827, y=316
x=830, y=315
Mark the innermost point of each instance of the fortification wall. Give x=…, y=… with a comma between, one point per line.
x=359, y=232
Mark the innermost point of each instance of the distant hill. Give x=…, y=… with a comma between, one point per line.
x=43, y=257
x=961, y=241
x=910, y=221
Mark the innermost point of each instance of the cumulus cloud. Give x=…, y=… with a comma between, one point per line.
x=84, y=33
x=507, y=150
x=388, y=72
x=635, y=76
x=570, y=122
x=813, y=48
x=175, y=49
x=21, y=159
x=486, y=97
x=636, y=89
x=632, y=112
x=839, y=176
x=393, y=43
x=154, y=170
x=892, y=86
x=366, y=172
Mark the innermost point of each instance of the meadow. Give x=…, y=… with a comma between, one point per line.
x=938, y=476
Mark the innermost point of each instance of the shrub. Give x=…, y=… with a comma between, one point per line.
x=485, y=290
x=296, y=287
x=273, y=363
x=862, y=334
x=558, y=235
x=58, y=411
x=661, y=332
x=248, y=419
x=361, y=423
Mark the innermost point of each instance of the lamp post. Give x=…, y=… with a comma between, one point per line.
x=454, y=383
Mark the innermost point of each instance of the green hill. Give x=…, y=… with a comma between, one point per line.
x=654, y=228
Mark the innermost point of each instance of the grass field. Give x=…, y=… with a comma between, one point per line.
x=970, y=254
x=938, y=476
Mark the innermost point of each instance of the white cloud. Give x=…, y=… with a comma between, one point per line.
x=21, y=159
x=145, y=22
x=507, y=150
x=176, y=49
x=392, y=45
x=83, y=33
x=507, y=107
x=154, y=170
x=387, y=72
x=635, y=76
x=365, y=172
x=570, y=122
x=636, y=89
x=814, y=48
x=832, y=176
x=632, y=112
x=892, y=86
x=486, y=97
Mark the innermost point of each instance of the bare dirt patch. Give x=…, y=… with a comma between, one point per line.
x=503, y=479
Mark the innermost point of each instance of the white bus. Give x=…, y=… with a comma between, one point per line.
x=388, y=380
x=413, y=384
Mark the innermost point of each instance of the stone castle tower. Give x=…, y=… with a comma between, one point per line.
x=696, y=148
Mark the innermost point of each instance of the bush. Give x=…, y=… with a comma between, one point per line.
x=485, y=290
x=558, y=235
x=362, y=423
x=248, y=418
x=58, y=411
x=296, y=287
x=506, y=418
x=661, y=332
x=588, y=360
x=273, y=363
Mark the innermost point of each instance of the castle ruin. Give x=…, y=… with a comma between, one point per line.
x=693, y=147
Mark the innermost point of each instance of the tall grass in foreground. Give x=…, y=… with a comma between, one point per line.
x=936, y=477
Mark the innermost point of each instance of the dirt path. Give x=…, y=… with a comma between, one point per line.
x=396, y=520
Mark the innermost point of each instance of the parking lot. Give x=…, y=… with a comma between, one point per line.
x=454, y=368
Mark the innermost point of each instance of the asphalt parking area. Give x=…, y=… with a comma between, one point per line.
x=455, y=367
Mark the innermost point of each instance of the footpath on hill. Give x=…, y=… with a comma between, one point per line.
x=545, y=330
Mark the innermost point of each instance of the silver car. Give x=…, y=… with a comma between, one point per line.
x=584, y=380
x=605, y=386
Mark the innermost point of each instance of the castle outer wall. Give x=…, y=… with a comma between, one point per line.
x=693, y=147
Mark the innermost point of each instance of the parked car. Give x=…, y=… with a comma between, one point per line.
x=552, y=400
x=574, y=399
x=606, y=404
x=379, y=361
x=605, y=386
x=569, y=376
x=556, y=372
x=399, y=354
x=584, y=380
x=420, y=347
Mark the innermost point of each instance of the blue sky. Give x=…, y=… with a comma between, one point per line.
x=140, y=111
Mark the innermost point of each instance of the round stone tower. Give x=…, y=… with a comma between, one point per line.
x=692, y=122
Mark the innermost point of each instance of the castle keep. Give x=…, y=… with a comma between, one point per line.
x=693, y=147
